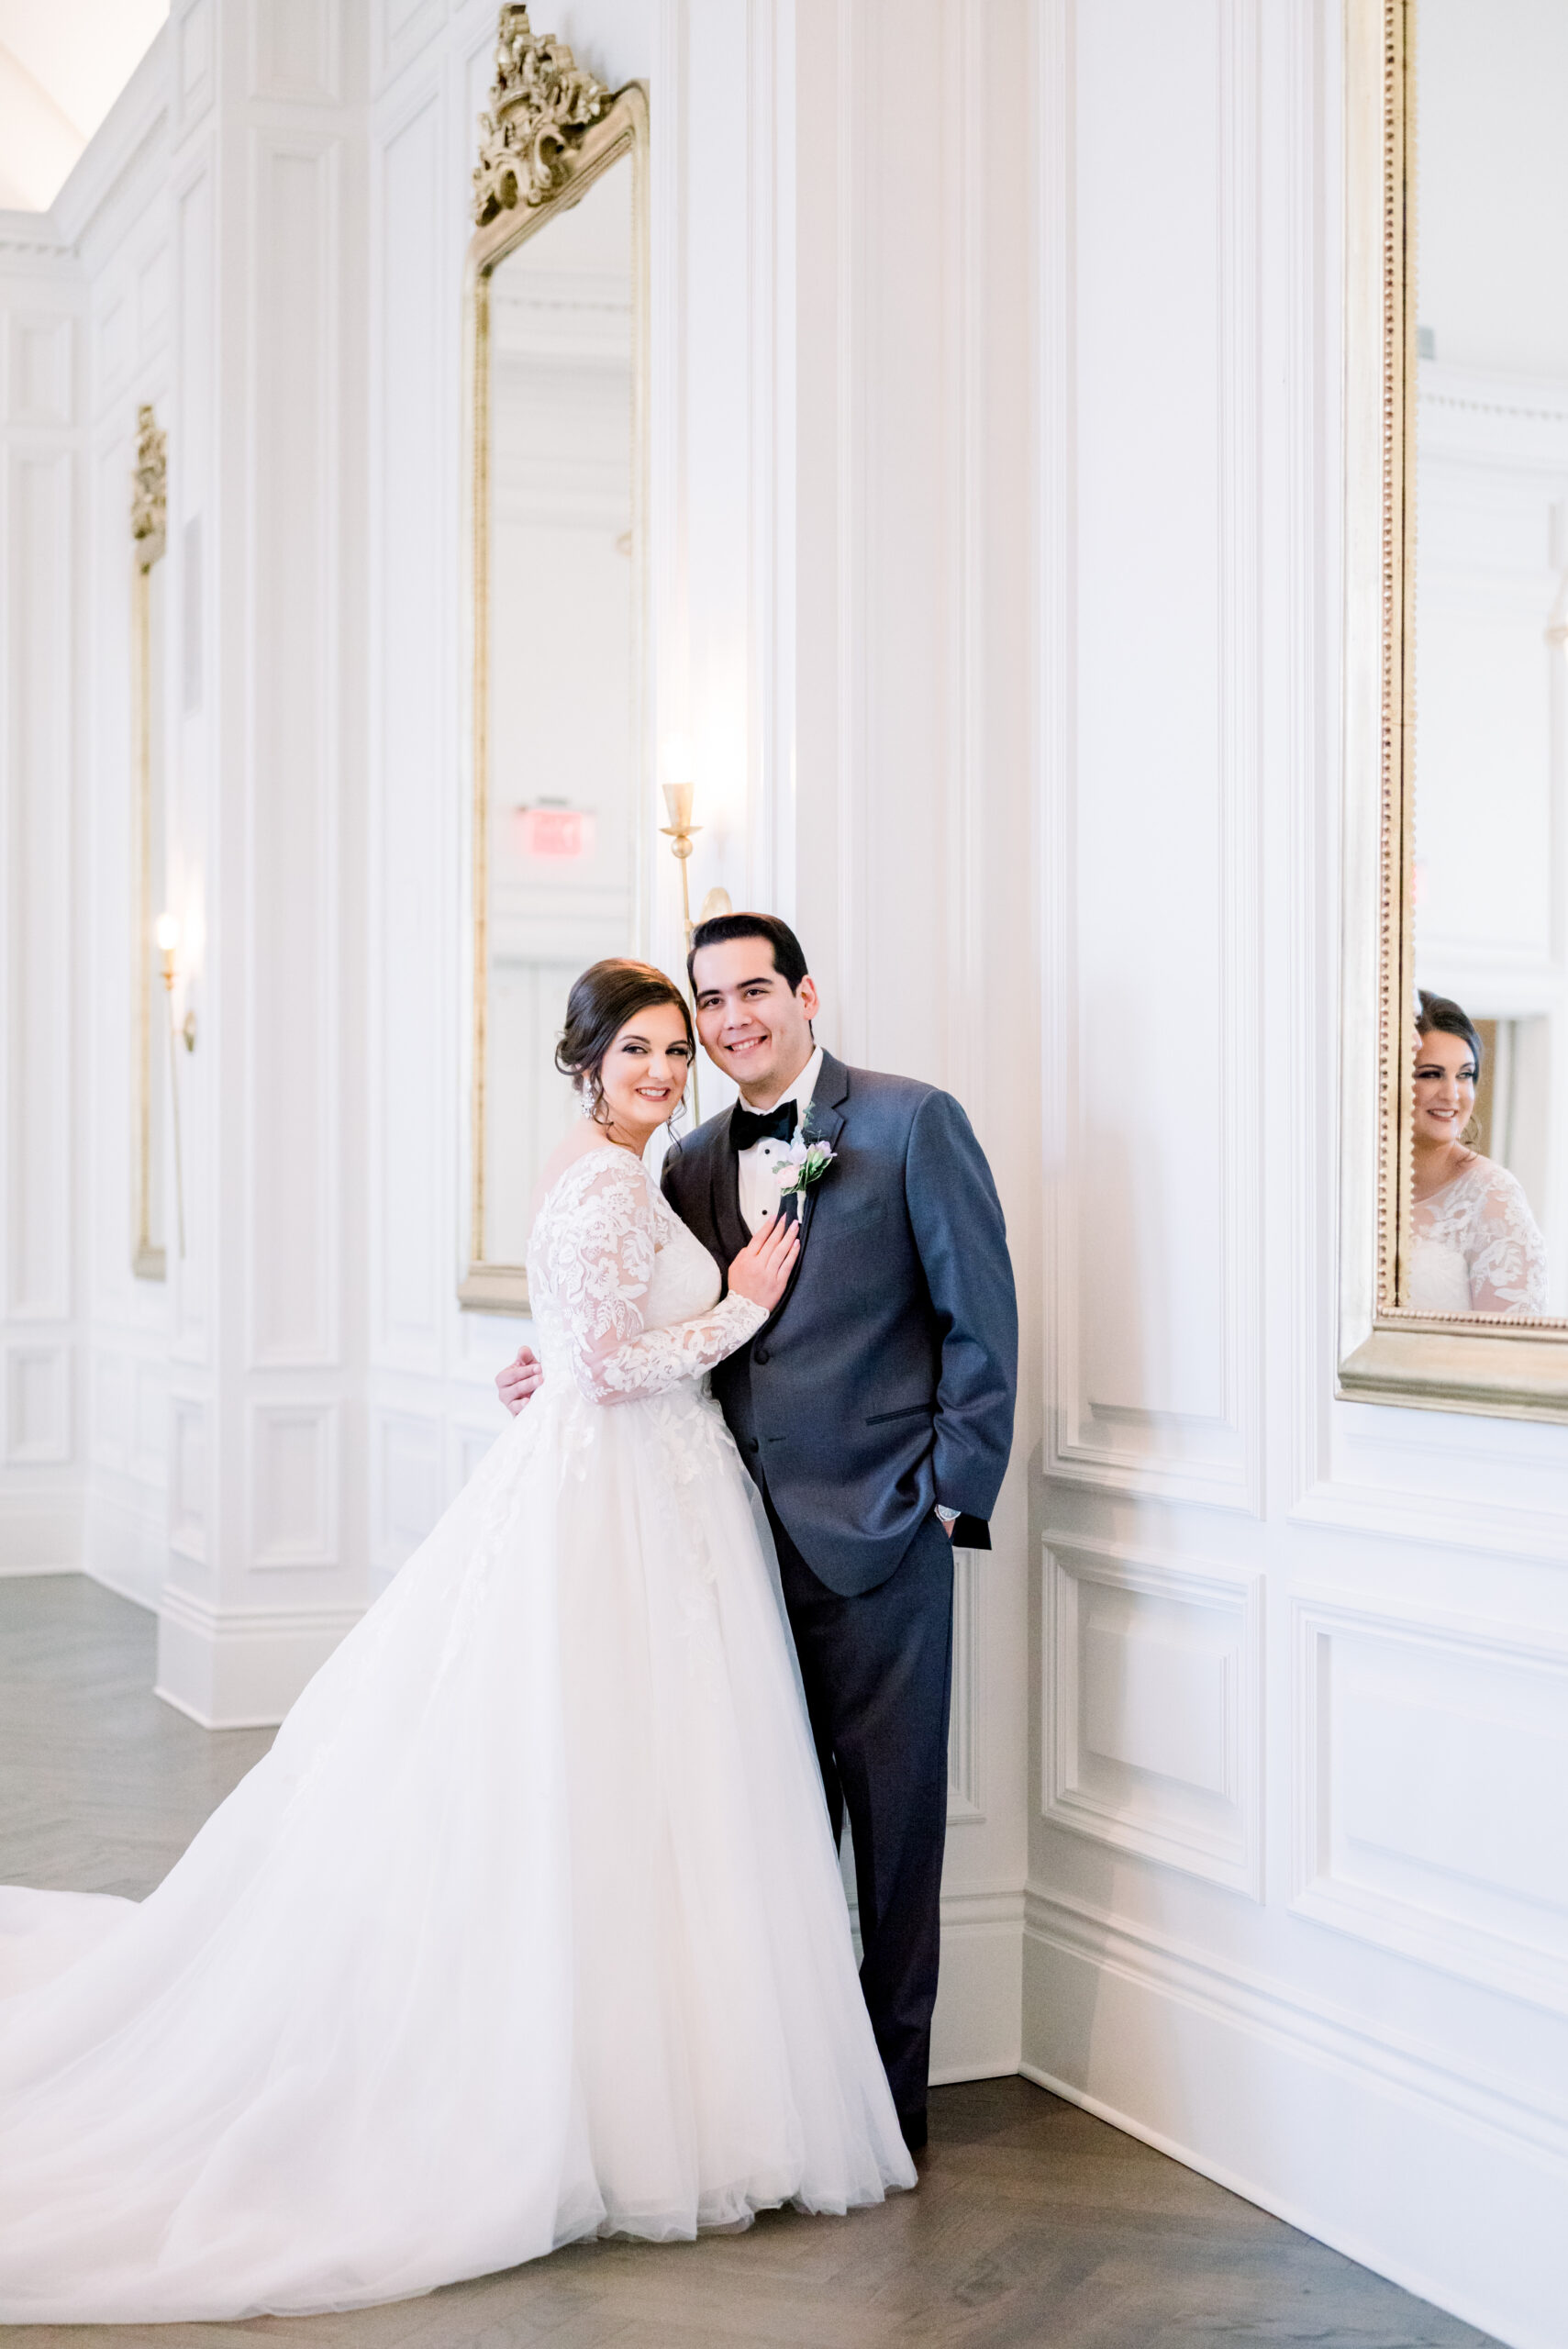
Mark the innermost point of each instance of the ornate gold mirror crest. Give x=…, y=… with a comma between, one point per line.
x=1440, y=409
x=556, y=348
x=149, y=533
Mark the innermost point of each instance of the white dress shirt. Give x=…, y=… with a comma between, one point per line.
x=758, y=1165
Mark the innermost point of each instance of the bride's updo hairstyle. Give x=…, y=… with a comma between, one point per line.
x=601, y=1002
x=1440, y=1015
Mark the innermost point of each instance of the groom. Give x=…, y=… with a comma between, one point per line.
x=875, y=1411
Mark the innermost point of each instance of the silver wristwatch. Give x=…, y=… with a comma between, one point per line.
x=948, y=1516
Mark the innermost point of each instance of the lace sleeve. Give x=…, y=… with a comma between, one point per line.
x=602, y=1253
x=1504, y=1255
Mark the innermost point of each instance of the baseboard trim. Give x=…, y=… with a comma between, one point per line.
x=125, y=1546
x=40, y=1532
x=1297, y=2022
x=1307, y=2222
x=976, y=2031
x=122, y=1586
x=240, y=1667
x=1177, y=2051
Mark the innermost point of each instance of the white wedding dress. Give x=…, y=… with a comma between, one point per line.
x=529, y=1927
x=1477, y=1247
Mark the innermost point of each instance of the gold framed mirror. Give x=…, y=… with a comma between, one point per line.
x=556, y=338
x=1455, y=1129
x=150, y=795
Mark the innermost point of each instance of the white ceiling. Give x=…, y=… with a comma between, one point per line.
x=62, y=65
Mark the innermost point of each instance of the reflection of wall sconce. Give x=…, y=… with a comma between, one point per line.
x=167, y=932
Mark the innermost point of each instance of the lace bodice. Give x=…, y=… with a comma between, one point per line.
x=623, y=1295
x=1478, y=1249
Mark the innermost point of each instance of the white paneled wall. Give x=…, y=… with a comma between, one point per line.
x=995, y=480
x=41, y=382
x=270, y=175
x=1296, y=1905
x=119, y=213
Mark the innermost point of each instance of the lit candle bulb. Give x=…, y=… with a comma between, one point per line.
x=166, y=930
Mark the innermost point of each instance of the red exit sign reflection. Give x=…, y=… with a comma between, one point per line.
x=554, y=835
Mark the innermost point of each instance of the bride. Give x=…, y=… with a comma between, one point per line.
x=530, y=1926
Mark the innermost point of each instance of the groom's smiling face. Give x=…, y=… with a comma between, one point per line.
x=752, y=1025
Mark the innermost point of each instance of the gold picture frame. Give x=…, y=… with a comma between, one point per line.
x=1388, y=1353
x=551, y=130
x=150, y=537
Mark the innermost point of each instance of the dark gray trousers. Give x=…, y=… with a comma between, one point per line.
x=878, y=1676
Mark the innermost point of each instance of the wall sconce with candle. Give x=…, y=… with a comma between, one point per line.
x=166, y=932
x=680, y=831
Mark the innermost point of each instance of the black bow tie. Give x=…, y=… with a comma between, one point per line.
x=747, y=1126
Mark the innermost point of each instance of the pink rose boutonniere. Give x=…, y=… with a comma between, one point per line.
x=804, y=1167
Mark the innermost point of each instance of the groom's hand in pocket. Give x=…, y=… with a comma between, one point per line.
x=519, y=1380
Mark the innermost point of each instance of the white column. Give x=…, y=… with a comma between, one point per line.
x=40, y=372
x=268, y=1564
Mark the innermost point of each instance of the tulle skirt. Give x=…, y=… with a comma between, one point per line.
x=529, y=1927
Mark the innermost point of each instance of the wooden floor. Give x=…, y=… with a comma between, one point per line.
x=1033, y=2222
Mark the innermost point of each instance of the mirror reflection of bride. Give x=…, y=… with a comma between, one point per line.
x=1477, y=1246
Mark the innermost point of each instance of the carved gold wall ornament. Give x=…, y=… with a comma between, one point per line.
x=149, y=489
x=148, y=539
x=541, y=103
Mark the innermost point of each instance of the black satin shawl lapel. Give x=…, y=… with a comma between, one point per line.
x=724, y=1195
x=824, y=1121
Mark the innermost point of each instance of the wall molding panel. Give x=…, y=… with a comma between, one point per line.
x=41, y=1528
x=1419, y=1746
x=297, y=52
x=39, y=533
x=41, y=498
x=1151, y=839
x=189, y=1498
x=293, y=979
x=37, y=1408
x=1152, y=1709
x=40, y=365
x=196, y=78
x=409, y=1485
x=293, y=1483
x=413, y=940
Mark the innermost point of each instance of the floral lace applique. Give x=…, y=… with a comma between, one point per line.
x=592, y=1260
x=1483, y=1217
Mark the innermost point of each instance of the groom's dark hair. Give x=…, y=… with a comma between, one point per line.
x=788, y=960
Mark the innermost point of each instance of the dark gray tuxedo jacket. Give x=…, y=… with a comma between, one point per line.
x=884, y=1381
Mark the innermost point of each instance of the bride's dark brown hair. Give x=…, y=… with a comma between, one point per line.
x=602, y=1000
x=1440, y=1015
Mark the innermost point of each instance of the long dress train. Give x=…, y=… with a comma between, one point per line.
x=529, y=1925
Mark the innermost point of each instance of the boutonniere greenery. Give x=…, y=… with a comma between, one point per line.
x=805, y=1163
